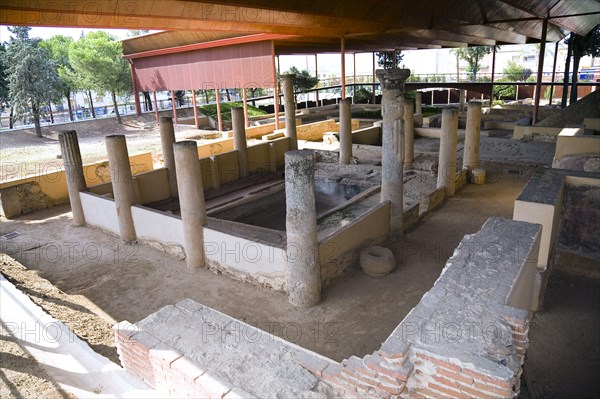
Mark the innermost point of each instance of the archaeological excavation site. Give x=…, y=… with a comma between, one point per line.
x=383, y=235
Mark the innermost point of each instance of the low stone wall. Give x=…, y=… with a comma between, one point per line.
x=591, y=123
x=467, y=337
x=577, y=235
x=430, y=201
x=314, y=131
x=258, y=131
x=342, y=248
x=48, y=187
x=461, y=180
x=572, y=142
x=369, y=136
x=411, y=216
x=215, y=147
x=541, y=202
x=530, y=132
x=502, y=125
x=435, y=132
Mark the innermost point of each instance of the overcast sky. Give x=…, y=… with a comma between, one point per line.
x=46, y=33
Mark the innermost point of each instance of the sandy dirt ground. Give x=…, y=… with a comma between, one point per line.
x=23, y=153
x=358, y=312
x=94, y=280
x=20, y=374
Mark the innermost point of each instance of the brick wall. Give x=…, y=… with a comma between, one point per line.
x=166, y=369
x=441, y=349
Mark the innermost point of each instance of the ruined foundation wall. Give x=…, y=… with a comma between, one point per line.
x=342, y=248
x=48, y=187
x=461, y=340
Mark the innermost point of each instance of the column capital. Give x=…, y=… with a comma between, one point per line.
x=392, y=79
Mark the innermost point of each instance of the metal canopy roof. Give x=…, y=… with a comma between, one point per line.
x=317, y=26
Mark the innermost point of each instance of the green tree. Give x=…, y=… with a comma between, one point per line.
x=514, y=72
x=137, y=32
x=389, y=59
x=180, y=97
x=98, y=59
x=31, y=75
x=58, y=47
x=362, y=96
x=580, y=47
x=4, y=84
x=303, y=82
x=473, y=56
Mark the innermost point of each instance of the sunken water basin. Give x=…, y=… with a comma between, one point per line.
x=268, y=209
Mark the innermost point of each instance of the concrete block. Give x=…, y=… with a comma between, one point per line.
x=9, y=202
x=272, y=136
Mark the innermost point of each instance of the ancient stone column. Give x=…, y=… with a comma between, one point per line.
x=419, y=103
x=122, y=183
x=239, y=138
x=191, y=201
x=392, y=152
x=409, y=134
x=472, y=136
x=167, y=138
x=345, y=131
x=71, y=155
x=447, y=164
x=461, y=100
x=303, y=276
x=288, y=81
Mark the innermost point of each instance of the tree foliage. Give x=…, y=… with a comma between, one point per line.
x=31, y=75
x=3, y=79
x=97, y=58
x=473, y=57
x=58, y=48
x=514, y=72
x=304, y=81
x=137, y=32
x=389, y=59
x=363, y=96
x=580, y=47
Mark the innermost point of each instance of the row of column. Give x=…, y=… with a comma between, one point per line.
x=397, y=150
x=185, y=181
x=448, y=142
x=194, y=106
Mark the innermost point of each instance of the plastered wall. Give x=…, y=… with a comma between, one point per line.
x=572, y=142
x=49, y=186
x=100, y=211
x=338, y=250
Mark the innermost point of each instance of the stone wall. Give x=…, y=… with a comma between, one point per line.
x=580, y=216
x=48, y=187
x=430, y=201
x=461, y=340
